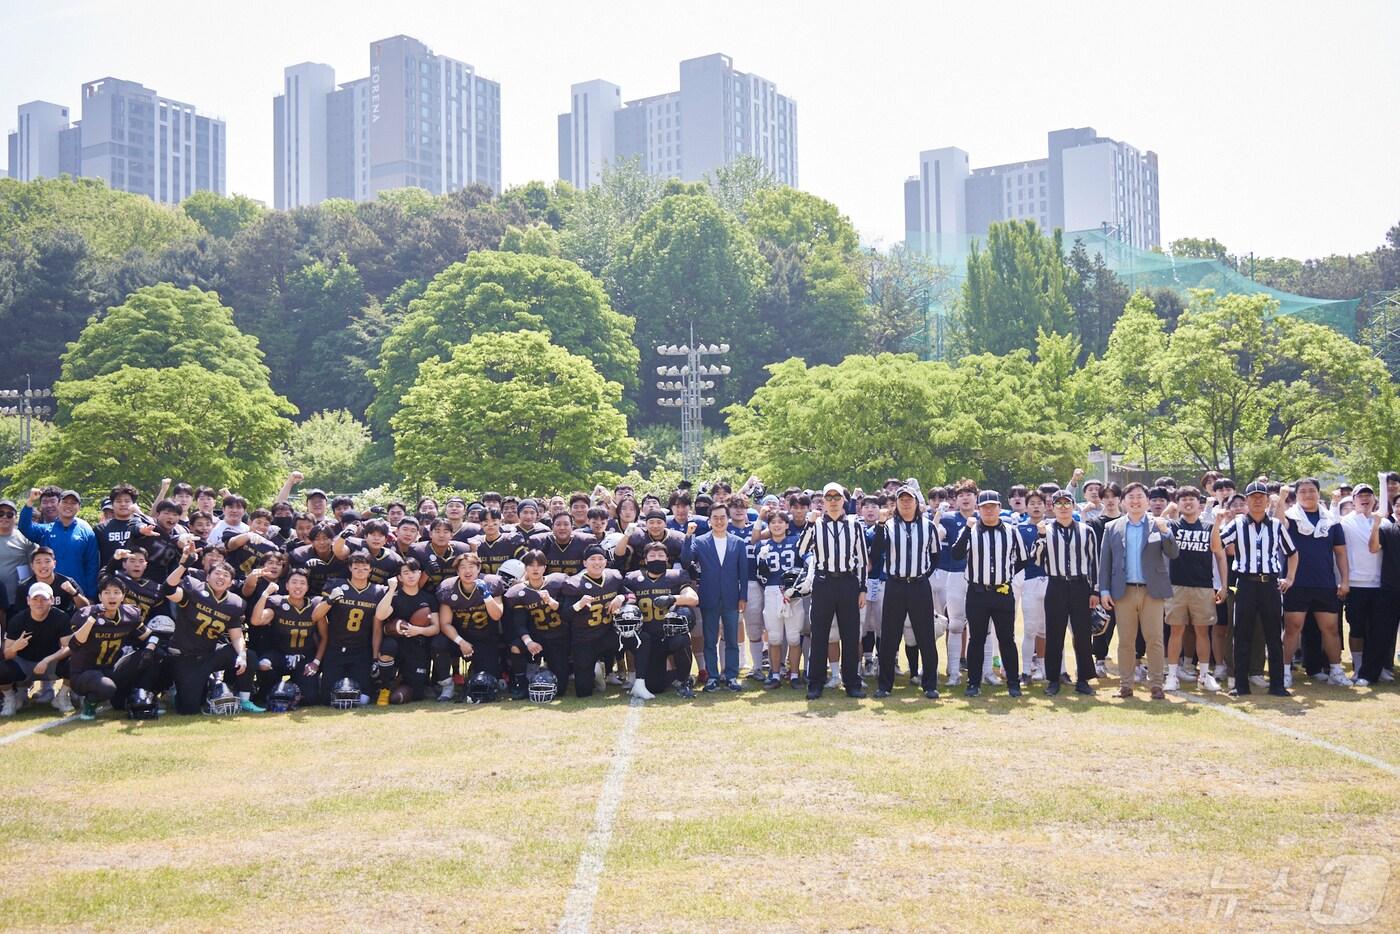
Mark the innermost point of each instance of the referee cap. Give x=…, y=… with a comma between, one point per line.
x=1257, y=486
x=989, y=496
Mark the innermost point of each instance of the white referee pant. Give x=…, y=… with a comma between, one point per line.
x=870, y=616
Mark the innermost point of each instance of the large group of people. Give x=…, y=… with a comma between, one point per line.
x=193, y=602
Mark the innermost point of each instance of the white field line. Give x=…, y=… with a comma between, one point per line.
x=1299, y=735
x=578, y=907
x=31, y=730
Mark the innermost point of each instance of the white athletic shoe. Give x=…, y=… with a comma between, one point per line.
x=1172, y=682
x=953, y=680
x=833, y=678
x=63, y=700
x=1259, y=681
x=615, y=679
x=45, y=695
x=1038, y=670
x=1361, y=683
x=1099, y=670
x=1288, y=677
x=639, y=689
x=1208, y=683
x=1187, y=673
x=1220, y=671
x=1386, y=675
x=1139, y=674
x=1339, y=679
x=990, y=678
x=10, y=704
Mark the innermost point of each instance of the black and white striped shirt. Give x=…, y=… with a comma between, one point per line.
x=1260, y=547
x=838, y=544
x=992, y=552
x=906, y=549
x=1068, y=552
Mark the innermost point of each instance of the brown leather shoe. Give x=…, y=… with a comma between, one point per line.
x=1158, y=694
x=1125, y=692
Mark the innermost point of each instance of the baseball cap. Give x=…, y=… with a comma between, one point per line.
x=1089, y=483
x=107, y=502
x=8, y=502
x=770, y=500
x=592, y=550
x=834, y=487
x=71, y=493
x=906, y=490
x=655, y=514
x=1062, y=495
x=989, y=496
x=313, y=493
x=41, y=589
x=1363, y=488
x=1256, y=486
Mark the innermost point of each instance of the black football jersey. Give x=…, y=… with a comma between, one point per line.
x=104, y=644
x=203, y=620
x=319, y=570
x=466, y=533
x=494, y=554
x=528, y=611
x=595, y=620
x=437, y=568
x=637, y=543
x=566, y=559
x=291, y=631
x=382, y=566
x=644, y=587
x=468, y=607
x=145, y=593
x=350, y=622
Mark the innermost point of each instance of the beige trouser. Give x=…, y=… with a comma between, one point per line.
x=1134, y=611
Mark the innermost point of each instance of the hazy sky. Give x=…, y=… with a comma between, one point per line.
x=1277, y=124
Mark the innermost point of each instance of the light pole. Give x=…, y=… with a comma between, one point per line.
x=689, y=382
x=25, y=408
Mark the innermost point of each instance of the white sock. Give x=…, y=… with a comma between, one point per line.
x=1203, y=668
x=1028, y=655
x=1172, y=669
x=954, y=652
x=756, y=653
x=245, y=695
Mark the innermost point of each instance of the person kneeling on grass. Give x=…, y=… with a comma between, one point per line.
x=208, y=633
x=99, y=668
x=31, y=637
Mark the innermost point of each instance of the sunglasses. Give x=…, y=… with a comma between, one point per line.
x=7, y=513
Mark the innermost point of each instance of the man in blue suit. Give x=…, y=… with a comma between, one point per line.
x=724, y=574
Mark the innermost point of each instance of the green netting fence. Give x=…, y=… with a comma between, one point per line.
x=1138, y=269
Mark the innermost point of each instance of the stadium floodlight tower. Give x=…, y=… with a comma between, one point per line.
x=684, y=387
x=28, y=403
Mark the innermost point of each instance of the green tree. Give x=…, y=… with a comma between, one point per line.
x=1201, y=248
x=329, y=449
x=1096, y=295
x=1015, y=288
x=597, y=223
x=734, y=185
x=322, y=352
x=538, y=239
x=494, y=292
x=162, y=326
x=220, y=216
x=112, y=222
x=525, y=416
x=1124, y=395
x=49, y=286
x=688, y=262
x=139, y=425
x=1250, y=391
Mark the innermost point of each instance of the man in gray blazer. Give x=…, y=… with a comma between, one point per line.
x=1135, y=581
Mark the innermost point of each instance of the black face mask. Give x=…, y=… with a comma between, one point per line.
x=285, y=523
x=656, y=567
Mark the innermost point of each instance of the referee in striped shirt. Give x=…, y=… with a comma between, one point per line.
x=1068, y=550
x=1261, y=542
x=906, y=546
x=993, y=550
x=840, y=561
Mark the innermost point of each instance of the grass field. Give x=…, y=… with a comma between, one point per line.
x=756, y=810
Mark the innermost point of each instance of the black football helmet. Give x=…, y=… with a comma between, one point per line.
x=141, y=705
x=677, y=622
x=220, y=700
x=483, y=688
x=285, y=697
x=1098, y=622
x=797, y=582
x=628, y=620
x=544, y=686
x=345, y=695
